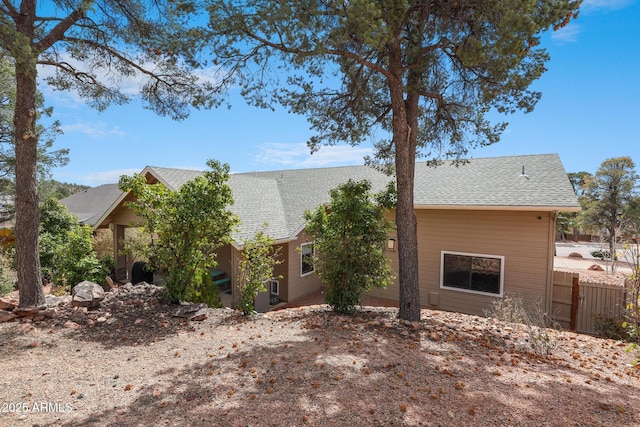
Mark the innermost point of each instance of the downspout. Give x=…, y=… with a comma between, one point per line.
x=550, y=260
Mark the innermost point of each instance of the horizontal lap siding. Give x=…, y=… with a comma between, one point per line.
x=298, y=286
x=520, y=237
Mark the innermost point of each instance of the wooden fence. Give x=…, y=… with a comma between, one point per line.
x=574, y=304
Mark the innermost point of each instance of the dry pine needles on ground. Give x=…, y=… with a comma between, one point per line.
x=132, y=363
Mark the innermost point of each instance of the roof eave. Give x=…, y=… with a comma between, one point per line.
x=501, y=208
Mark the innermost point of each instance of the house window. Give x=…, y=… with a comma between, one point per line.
x=275, y=287
x=306, y=259
x=482, y=274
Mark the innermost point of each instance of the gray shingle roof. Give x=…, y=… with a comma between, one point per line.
x=280, y=198
x=496, y=182
x=89, y=205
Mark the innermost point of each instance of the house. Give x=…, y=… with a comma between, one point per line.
x=485, y=227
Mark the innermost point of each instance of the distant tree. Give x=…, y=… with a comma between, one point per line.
x=350, y=239
x=568, y=221
x=89, y=46
x=51, y=188
x=424, y=72
x=607, y=197
x=633, y=215
x=187, y=227
x=579, y=180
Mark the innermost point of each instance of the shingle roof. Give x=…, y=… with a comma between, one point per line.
x=89, y=205
x=496, y=182
x=280, y=198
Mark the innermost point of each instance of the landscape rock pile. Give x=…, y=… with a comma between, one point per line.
x=90, y=306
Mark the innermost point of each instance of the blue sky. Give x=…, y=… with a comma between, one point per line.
x=589, y=112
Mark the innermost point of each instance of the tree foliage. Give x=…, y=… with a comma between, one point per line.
x=67, y=255
x=350, y=239
x=609, y=194
x=568, y=221
x=187, y=226
x=90, y=47
x=257, y=263
x=47, y=158
x=579, y=181
x=424, y=72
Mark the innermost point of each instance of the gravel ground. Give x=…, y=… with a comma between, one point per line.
x=132, y=363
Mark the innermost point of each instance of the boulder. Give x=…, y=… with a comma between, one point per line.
x=87, y=294
x=596, y=267
x=575, y=255
x=196, y=312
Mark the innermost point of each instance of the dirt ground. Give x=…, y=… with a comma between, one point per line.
x=131, y=362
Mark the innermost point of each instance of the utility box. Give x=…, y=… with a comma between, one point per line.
x=262, y=302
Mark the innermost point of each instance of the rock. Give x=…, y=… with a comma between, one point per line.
x=69, y=324
x=6, y=316
x=26, y=311
x=55, y=301
x=196, y=312
x=87, y=294
x=575, y=255
x=595, y=267
x=8, y=304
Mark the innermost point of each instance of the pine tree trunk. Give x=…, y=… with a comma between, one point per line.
x=26, y=144
x=405, y=160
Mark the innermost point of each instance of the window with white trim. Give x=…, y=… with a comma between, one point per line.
x=475, y=273
x=306, y=259
x=275, y=287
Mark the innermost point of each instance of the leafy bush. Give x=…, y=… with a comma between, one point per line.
x=76, y=260
x=602, y=254
x=55, y=224
x=202, y=289
x=8, y=277
x=256, y=268
x=67, y=255
x=186, y=227
x=350, y=242
x=609, y=326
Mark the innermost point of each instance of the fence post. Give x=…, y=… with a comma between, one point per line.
x=575, y=293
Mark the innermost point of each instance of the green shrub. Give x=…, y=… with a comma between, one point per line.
x=186, y=227
x=256, y=268
x=350, y=235
x=202, y=289
x=67, y=256
x=8, y=277
x=602, y=254
x=609, y=326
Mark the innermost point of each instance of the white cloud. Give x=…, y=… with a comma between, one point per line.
x=98, y=130
x=297, y=155
x=605, y=4
x=568, y=34
x=107, y=177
